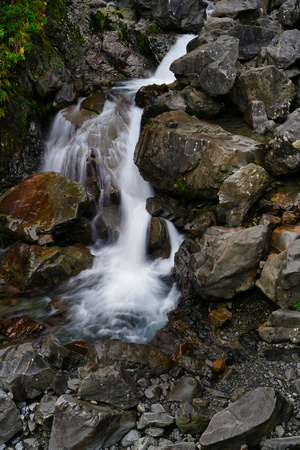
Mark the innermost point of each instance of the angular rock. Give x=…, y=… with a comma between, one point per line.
x=181, y=16
x=282, y=325
x=247, y=420
x=218, y=317
x=289, y=13
x=292, y=443
x=136, y=358
x=10, y=420
x=284, y=50
x=147, y=94
x=84, y=425
x=158, y=417
x=95, y=101
x=48, y=83
x=185, y=390
x=31, y=266
x=199, y=225
x=159, y=243
x=210, y=66
x=45, y=411
x=255, y=115
x=280, y=277
x=245, y=10
x=193, y=419
x=167, y=207
x=174, y=146
x=26, y=373
x=240, y=191
x=77, y=116
x=251, y=39
x=110, y=385
x=43, y=204
x=282, y=237
x=65, y=96
x=22, y=328
x=170, y=101
x=55, y=353
x=267, y=84
x=201, y=104
x=224, y=261
x=284, y=154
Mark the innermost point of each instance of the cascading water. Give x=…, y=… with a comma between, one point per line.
x=125, y=295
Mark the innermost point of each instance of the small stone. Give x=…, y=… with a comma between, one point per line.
x=279, y=430
x=131, y=438
x=154, y=431
x=218, y=317
x=221, y=364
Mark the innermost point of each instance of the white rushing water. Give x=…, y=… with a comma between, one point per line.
x=126, y=294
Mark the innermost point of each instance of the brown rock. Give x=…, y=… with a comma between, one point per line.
x=222, y=364
x=283, y=236
x=217, y=317
x=22, y=328
x=289, y=218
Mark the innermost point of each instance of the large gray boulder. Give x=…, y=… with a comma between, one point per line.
x=244, y=10
x=26, y=373
x=289, y=13
x=186, y=15
x=284, y=154
x=177, y=149
x=84, y=425
x=267, y=84
x=210, y=67
x=251, y=39
x=10, y=420
x=223, y=262
x=41, y=207
x=240, y=191
x=280, y=277
x=284, y=50
x=247, y=420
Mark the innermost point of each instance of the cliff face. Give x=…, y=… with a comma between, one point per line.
x=83, y=46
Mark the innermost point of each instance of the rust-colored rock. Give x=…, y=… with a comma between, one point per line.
x=80, y=347
x=282, y=237
x=22, y=328
x=42, y=206
x=217, y=317
x=221, y=364
x=32, y=266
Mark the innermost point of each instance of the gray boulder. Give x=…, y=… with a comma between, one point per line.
x=201, y=104
x=84, y=425
x=247, y=420
x=26, y=373
x=284, y=50
x=210, y=67
x=65, y=96
x=282, y=325
x=289, y=13
x=224, y=261
x=251, y=39
x=110, y=385
x=240, y=191
x=186, y=390
x=48, y=83
x=267, y=84
x=178, y=15
x=45, y=411
x=177, y=152
x=280, y=277
x=284, y=154
x=10, y=420
x=245, y=10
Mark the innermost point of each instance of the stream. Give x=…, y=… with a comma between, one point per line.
x=126, y=295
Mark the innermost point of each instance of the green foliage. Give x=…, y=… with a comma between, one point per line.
x=297, y=306
x=181, y=185
x=103, y=22
x=19, y=21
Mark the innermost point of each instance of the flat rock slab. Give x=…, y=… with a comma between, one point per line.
x=42, y=206
x=136, y=358
x=247, y=420
x=10, y=420
x=79, y=425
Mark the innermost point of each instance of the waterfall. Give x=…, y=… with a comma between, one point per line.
x=126, y=294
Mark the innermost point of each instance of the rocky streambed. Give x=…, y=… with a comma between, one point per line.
x=224, y=373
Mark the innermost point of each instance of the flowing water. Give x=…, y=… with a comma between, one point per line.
x=126, y=294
